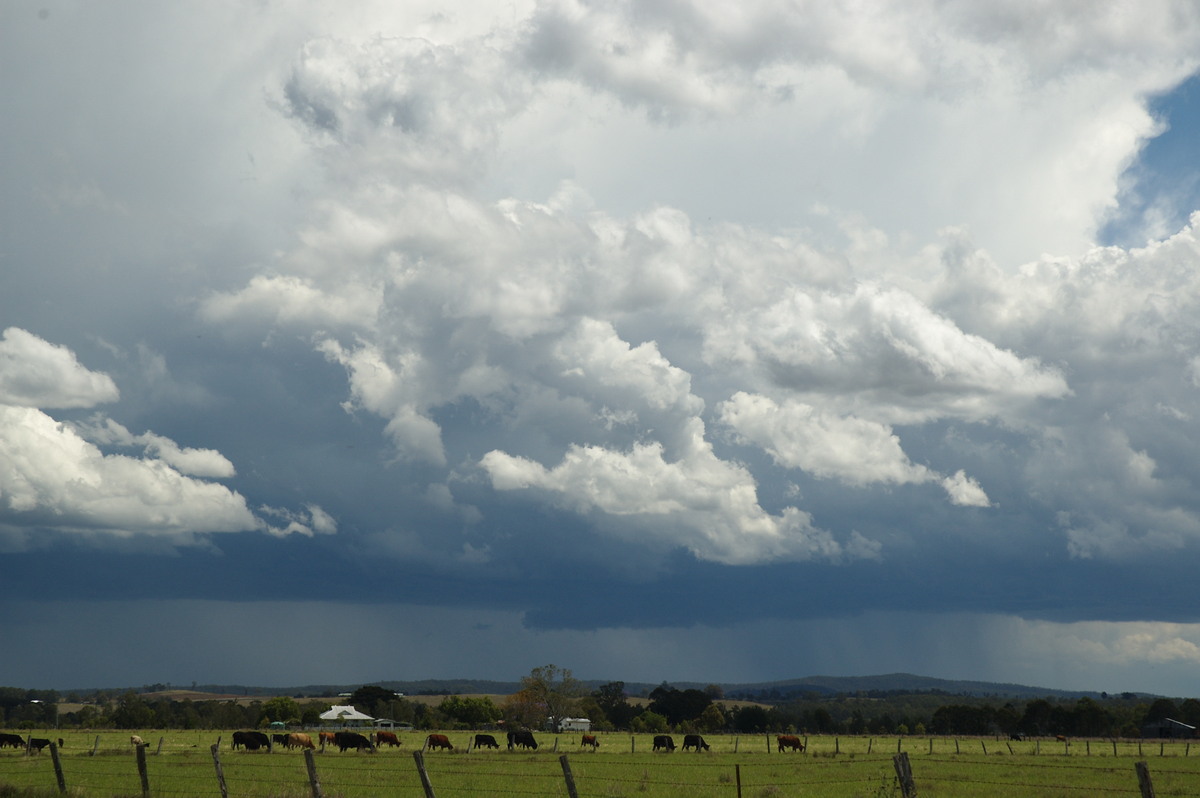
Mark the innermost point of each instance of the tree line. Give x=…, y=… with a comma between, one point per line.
x=550, y=694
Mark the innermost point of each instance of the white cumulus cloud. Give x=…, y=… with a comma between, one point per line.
x=37, y=373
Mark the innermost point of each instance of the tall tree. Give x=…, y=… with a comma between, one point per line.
x=611, y=699
x=552, y=689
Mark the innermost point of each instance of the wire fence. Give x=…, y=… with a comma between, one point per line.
x=199, y=771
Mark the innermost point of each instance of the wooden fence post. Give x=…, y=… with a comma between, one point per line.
x=566, y=767
x=737, y=774
x=899, y=740
x=736, y=740
x=1114, y=742
x=983, y=745
x=870, y=742
x=632, y=743
x=1144, y=783
x=931, y=746
x=58, y=773
x=215, y=748
x=141, y=766
x=95, y=745
x=313, y=781
x=904, y=774
x=420, y=760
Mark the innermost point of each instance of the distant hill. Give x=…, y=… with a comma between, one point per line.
x=767, y=692
x=896, y=683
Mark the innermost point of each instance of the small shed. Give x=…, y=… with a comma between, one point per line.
x=384, y=723
x=1170, y=729
x=575, y=724
x=347, y=716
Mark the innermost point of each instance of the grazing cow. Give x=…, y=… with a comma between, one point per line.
x=486, y=741
x=327, y=737
x=344, y=740
x=523, y=739
x=438, y=741
x=694, y=741
x=298, y=740
x=387, y=737
x=38, y=743
x=590, y=739
x=14, y=740
x=135, y=740
x=787, y=741
x=279, y=739
x=664, y=742
x=1016, y=736
x=1062, y=738
x=251, y=740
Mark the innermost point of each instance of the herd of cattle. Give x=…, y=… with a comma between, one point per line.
x=345, y=740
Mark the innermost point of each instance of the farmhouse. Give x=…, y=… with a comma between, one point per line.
x=347, y=716
x=1171, y=729
x=574, y=724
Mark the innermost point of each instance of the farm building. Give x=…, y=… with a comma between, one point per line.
x=575, y=724
x=1171, y=729
x=347, y=716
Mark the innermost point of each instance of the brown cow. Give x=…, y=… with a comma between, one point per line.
x=387, y=737
x=590, y=739
x=135, y=740
x=438, y=741
x=791, y=741
x=298, y=740
x=327, y=737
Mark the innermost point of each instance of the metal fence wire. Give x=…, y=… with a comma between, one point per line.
x=196, y=772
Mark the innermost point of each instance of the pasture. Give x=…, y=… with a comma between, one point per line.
x=623, y=765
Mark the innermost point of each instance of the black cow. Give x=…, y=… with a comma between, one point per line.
x=279, y=739
x=14, y=740
x=521, y=738
x=486, y=741
x=1016, y=736
x=664, y=742
x=251, y=740
x=694, y=741
x=38, y=743
x=344, y=740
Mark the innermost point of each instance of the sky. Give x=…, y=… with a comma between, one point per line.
x=659, y=341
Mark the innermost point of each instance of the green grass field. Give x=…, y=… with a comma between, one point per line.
x=624, y=765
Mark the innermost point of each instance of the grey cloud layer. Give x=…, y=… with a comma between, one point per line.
x=652, y=295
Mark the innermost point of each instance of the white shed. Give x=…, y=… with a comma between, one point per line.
x=575, y=724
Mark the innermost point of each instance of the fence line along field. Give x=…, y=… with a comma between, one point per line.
x=107, y=764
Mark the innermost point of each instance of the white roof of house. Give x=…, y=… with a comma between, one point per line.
x=344, y=713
